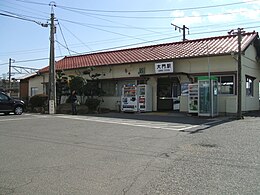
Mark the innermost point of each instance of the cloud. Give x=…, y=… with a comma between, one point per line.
x=251, y=14
x=234, y=15
x=252, y=2
x=248, y=12
x=219, y=18
x=179, y=18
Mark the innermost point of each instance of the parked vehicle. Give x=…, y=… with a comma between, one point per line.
x=9, y=104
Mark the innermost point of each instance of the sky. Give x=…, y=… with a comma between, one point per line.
x=98, y=25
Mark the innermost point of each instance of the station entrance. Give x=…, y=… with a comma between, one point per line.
x=168, y=91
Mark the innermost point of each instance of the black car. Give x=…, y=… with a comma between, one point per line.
x=8, y=104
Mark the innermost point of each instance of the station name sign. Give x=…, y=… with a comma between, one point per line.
x=164, y=67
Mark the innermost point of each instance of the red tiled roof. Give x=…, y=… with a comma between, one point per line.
x=188, y=49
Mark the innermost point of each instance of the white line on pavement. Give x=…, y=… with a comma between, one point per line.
x=15, y=119
x=159, y=125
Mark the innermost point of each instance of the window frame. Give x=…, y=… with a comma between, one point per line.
x=113, y=82
x=220, y=84
x=249, y=86
x=34, y=91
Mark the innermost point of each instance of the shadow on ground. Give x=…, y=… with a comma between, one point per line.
x=170, y=117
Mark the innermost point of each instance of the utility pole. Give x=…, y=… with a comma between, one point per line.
x=239, y=64
x=183, y=29
x=239, y=72
x=52, y=80
x=9, y=75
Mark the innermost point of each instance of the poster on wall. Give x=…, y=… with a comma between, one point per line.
x=164, y=67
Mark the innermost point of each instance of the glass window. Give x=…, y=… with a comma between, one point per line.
x=249, y=86
x=226, y=84
x=184, y=88
x=3, y=97
x=109, y=87
x=34, y=91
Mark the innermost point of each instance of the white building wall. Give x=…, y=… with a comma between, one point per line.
x=250, y=67
x=192, y=66
x=36, y=82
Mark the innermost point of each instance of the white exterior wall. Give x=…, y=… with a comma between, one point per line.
x=36, y=82
x=211, y=65
x=250, y=68
x=193, y=66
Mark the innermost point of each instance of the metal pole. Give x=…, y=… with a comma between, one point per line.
x=183, y=33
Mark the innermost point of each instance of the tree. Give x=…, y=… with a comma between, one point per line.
x=77, y=83
x=62, y=85
x=87, y=85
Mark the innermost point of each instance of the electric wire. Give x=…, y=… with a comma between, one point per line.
x=145, y=41
x=64, y=38
x=158, y=10
x=66, y=47
x=76, y=37
x=162, y=17
x=124, y=46
x=117, y=33
x=143, y=11
x=18, y=7
x=113, y=40
x=56, y=36
x=33, y=2
x=21, y=18
x=115, y=22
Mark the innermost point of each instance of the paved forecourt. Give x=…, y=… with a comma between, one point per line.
x=132, y=122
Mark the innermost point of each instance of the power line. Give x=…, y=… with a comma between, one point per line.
x=66, y=47
x=64, y=39
x=140, y=11
x=239, y=24
x=117, y=33
x=123, y=24
x=22, y=18
x=29, y=60
x=77, y=38
x=159, y=17
x=32, y=2
x=158, y=10
x=129, y=45
x=58, y=44
x=18, y=6
x=16, y=17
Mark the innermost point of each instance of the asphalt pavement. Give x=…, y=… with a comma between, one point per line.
x=124, y=153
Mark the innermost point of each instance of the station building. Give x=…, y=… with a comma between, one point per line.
x=169, y=69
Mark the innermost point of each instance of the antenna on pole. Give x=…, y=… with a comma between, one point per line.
x=183, y=29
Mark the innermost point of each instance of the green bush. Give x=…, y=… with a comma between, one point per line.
x=39, y=100
x=92, y=104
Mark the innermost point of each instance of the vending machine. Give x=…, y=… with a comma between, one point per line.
x=145, y=103
x=129, y=98
x=193, y=98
